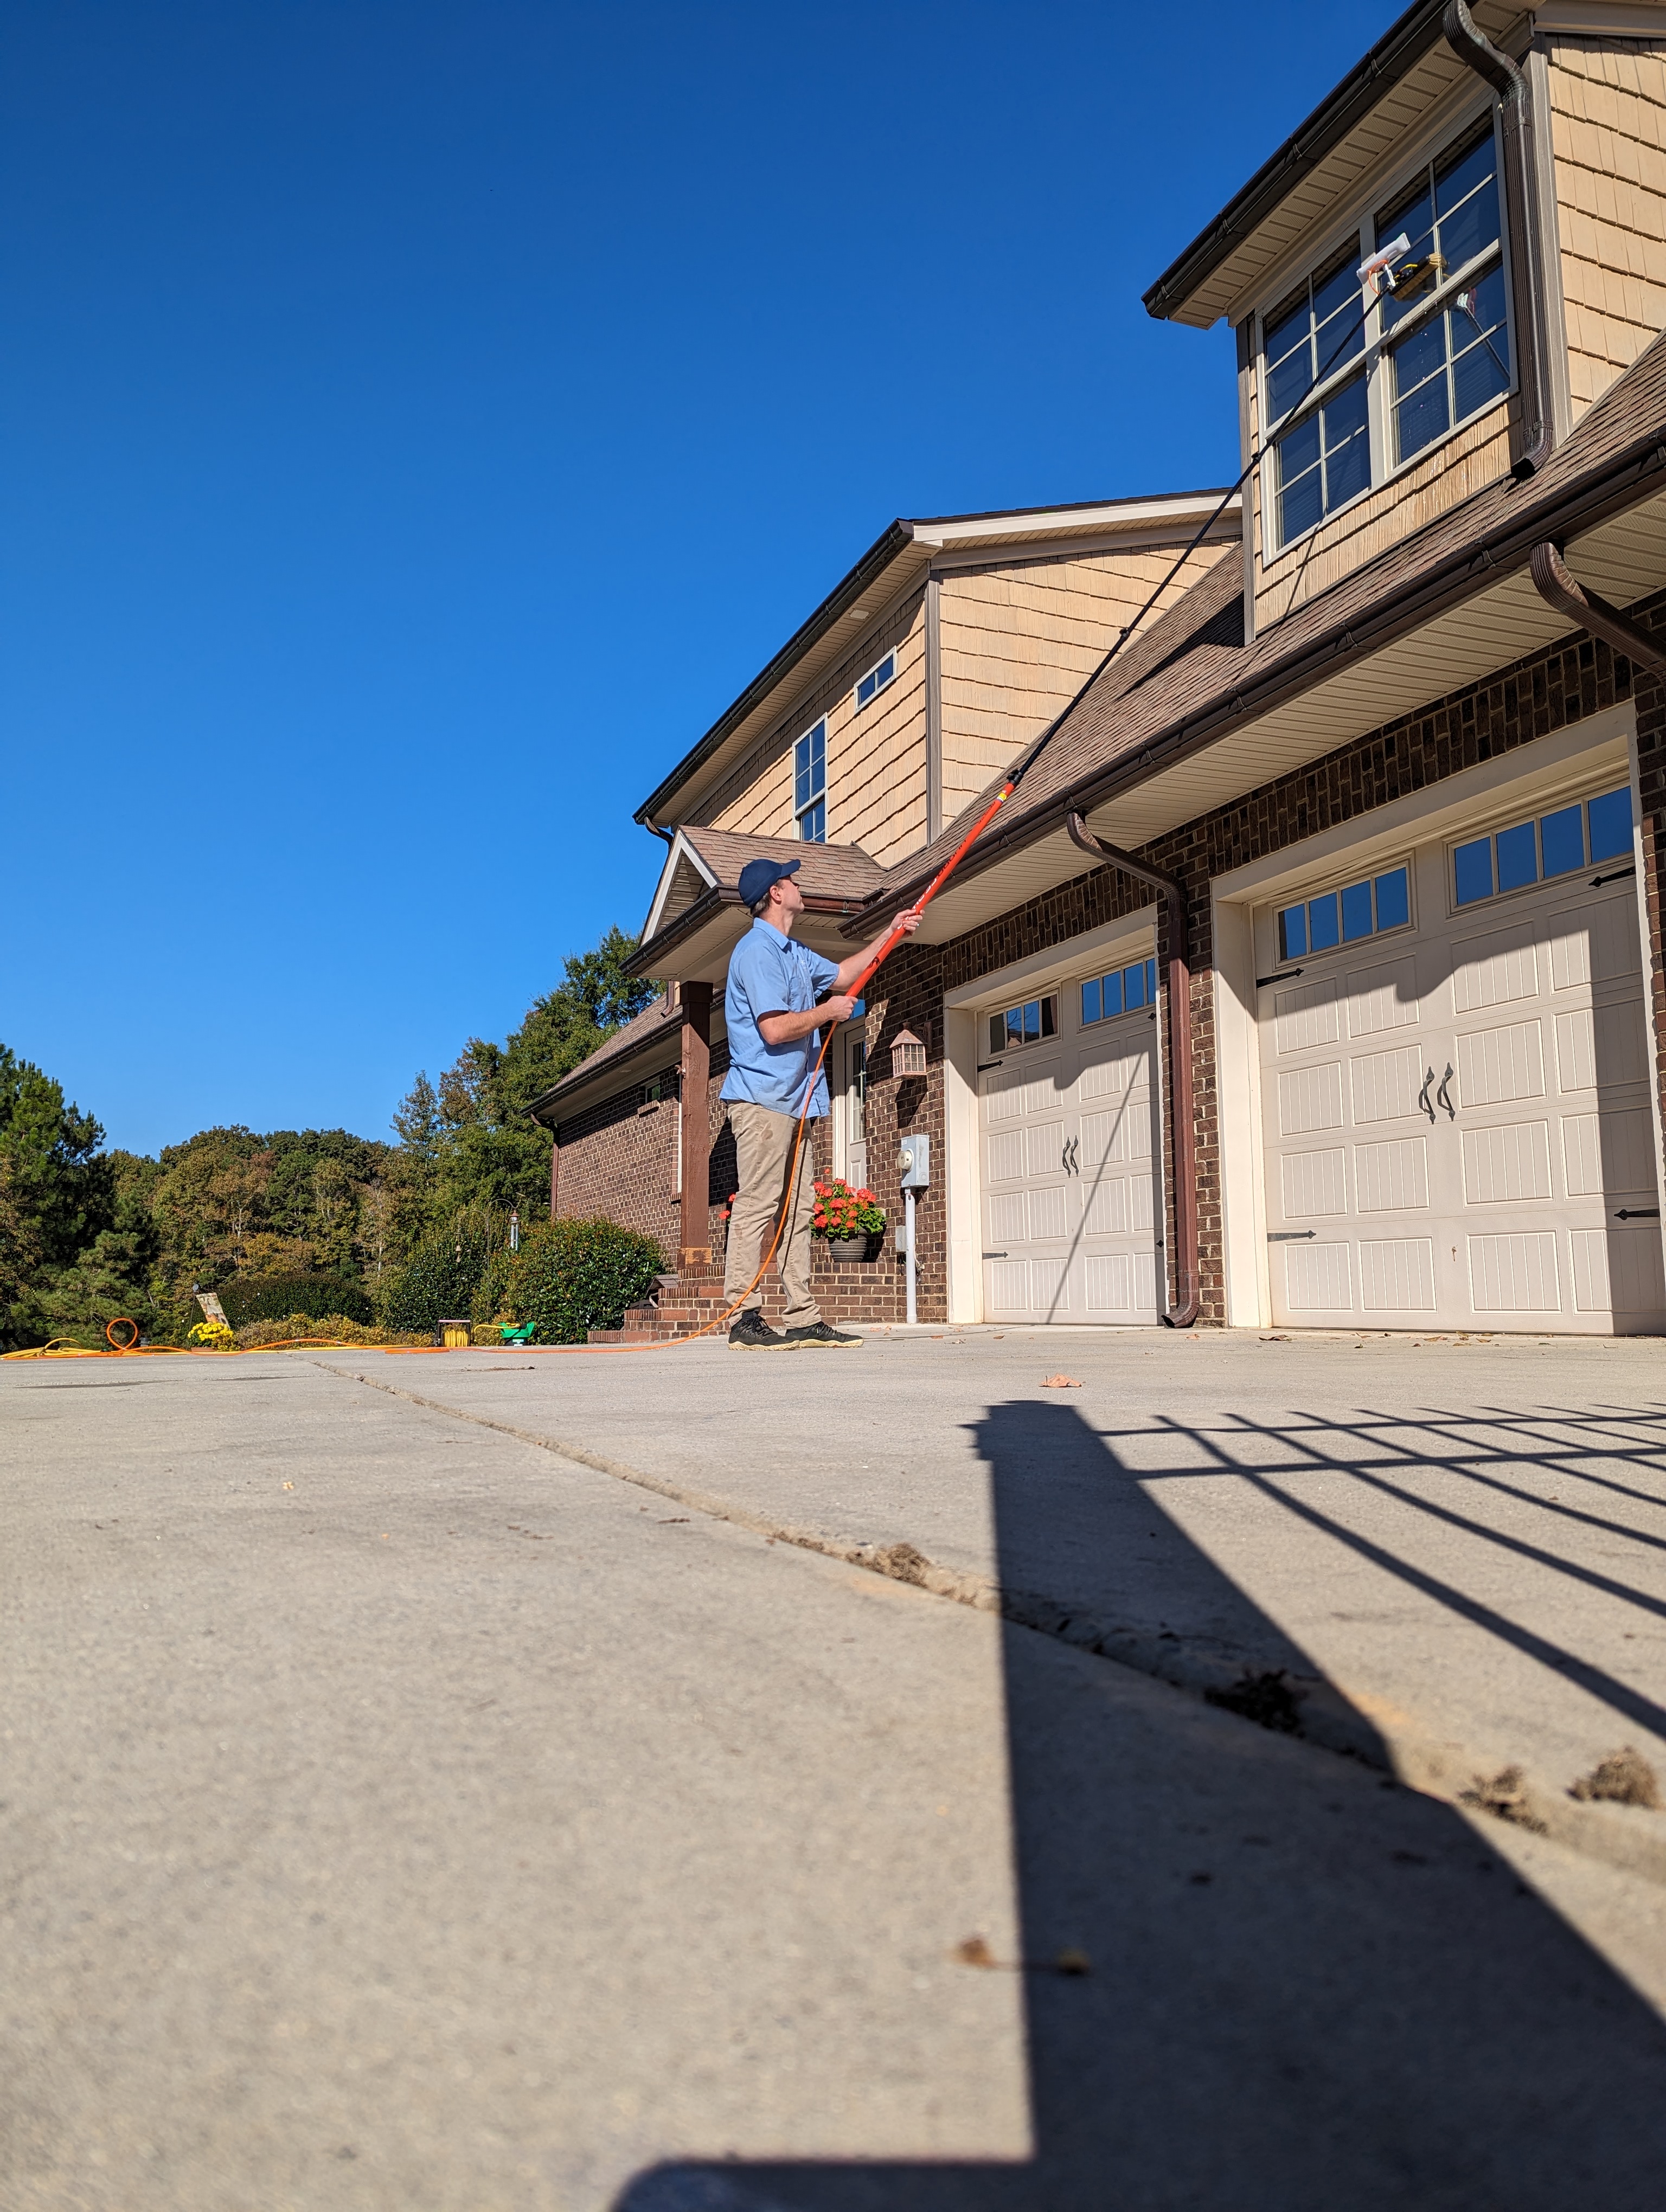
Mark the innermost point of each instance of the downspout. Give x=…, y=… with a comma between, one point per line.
x=1558, y=588
x=1533, y=438
x=1184, y=1311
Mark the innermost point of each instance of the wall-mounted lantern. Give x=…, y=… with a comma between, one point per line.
x=908, y=1055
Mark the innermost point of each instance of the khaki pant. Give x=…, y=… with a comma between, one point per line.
x=764, y=1146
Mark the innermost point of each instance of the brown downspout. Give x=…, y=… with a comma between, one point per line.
x=1532, y=437
x=1558, y=588
x=1184, y=1310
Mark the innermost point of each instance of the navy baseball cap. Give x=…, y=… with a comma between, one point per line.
x=756, y=877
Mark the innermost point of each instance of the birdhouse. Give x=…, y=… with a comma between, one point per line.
x=908, y=1054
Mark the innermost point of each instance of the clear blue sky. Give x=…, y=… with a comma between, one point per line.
x=419, y=421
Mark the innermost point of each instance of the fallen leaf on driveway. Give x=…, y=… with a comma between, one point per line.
x=1059, y=1382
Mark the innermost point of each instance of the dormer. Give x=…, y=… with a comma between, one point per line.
x=1456, y=254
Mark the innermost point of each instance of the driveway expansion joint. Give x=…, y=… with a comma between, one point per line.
x=1307, y=1707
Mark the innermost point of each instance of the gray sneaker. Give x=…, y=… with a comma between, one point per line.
x=751, y=1332
x=819, y=1332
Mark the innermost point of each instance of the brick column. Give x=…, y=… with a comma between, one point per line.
x=697, y=1248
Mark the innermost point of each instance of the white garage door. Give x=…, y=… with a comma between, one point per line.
x=1455, y=1088
x=1071, y=1148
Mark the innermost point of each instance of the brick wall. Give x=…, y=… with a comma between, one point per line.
x=616, y=1156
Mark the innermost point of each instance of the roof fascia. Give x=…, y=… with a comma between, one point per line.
x=1631, y=477
x=1114, y=518
x=1401, y=46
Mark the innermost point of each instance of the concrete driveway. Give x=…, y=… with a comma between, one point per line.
x=400, y=1812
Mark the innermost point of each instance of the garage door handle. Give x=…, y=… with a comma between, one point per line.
x=1423, y=1095
x=995, y=1255
x=1290, y=1236
x=1444, y=1096
x=1638, y=1213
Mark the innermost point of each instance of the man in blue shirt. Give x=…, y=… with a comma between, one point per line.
x=774, y=1027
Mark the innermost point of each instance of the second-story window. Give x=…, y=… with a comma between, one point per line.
x=869, y=686
x=1326, y=457
x=1453, y=361
x=809, y=784
x=1359, y=379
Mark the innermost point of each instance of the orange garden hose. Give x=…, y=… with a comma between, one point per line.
x=132, y=1349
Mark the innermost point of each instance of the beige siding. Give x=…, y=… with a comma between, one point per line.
x=1451, y=472
x=1017, y=640
x=1608, y=127
x=876, y=759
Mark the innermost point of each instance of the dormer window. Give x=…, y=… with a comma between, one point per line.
x=1365, y=377
x=809, y=784
x=1326, y=459
x=1455, y=360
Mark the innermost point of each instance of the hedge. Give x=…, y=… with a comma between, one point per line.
x=439, y=1281
x=570, y=1277
x=275, y=1297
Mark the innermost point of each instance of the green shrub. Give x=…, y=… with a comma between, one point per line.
x=570, y=1277
x=254, y=1334
x=276, y=1297
x=440, y=1280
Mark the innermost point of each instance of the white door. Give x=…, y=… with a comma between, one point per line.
x=1456, y=1108
x=1071, y=1154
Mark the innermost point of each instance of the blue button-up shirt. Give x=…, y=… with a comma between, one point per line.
x=772, y=974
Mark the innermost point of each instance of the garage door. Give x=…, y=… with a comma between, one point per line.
x=1456, y=1088
x=1070, y=1144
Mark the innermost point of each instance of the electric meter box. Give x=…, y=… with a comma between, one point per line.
x=915, y=1161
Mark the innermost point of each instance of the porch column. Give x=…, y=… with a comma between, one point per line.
x=697, y=1249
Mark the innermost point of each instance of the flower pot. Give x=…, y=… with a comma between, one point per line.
x=856, y=1249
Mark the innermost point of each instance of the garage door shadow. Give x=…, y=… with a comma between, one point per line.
x=1311, y=1989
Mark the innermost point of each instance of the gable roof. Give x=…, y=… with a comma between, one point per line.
x=1444, y=607
x=897, y=562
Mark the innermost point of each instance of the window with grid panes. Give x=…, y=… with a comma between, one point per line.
x=1454, y=359
x=1324, y=459
x=1435, y=344
x=810, y=785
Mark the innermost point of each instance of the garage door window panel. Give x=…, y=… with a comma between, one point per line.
x=1538, y=850
x=1368, y=907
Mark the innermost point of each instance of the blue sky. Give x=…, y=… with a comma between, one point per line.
x=419, y=421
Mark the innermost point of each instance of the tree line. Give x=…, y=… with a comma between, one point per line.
x=86, y=1233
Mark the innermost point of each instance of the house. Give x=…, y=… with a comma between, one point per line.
x=1312, y=974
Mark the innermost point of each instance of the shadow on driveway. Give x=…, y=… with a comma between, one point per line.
x=1310, y=1991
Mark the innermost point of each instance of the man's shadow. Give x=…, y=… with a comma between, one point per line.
x=1279, y=2017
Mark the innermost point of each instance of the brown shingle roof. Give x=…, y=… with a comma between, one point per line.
x=640, y=1032
x=1114, y=733
x=843, y=874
